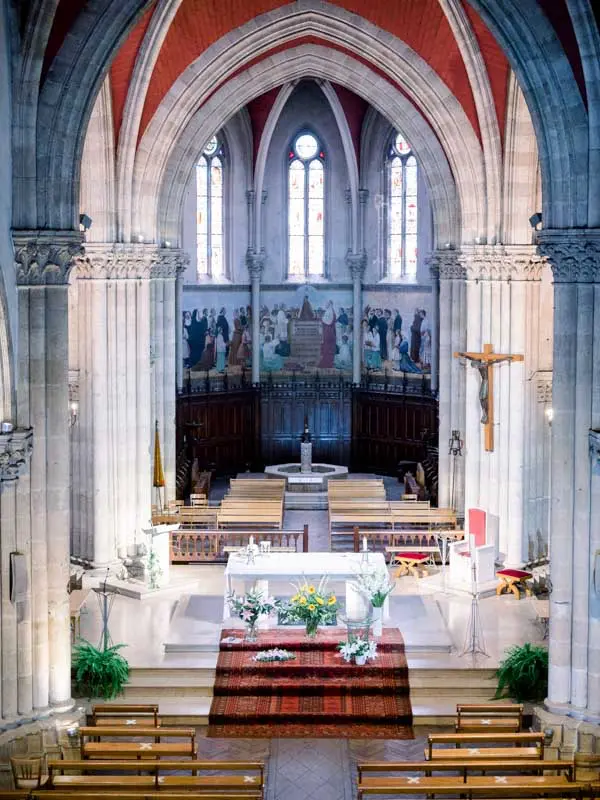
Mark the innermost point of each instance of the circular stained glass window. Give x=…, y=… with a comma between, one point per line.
x=211, y=147
x=306, y=146
x=401, y=145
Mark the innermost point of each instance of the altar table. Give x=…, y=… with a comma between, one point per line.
x=297, y=566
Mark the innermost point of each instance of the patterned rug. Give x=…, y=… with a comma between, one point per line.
x=317, y=694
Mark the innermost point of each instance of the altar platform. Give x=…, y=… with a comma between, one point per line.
x=188, y=619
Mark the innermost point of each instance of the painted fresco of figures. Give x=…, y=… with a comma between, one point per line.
x=328, y=336
x=212, y=341
x=386, y=347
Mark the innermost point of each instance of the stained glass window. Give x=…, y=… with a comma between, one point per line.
x=306, y=208
x=209, y=210
x=402, y=213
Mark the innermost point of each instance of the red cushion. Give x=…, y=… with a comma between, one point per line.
x=514, y=573
x=414, y=556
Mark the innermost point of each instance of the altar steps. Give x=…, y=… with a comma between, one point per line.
x=184, y=694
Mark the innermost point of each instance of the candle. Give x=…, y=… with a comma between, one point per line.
x=252, y=540
x=365, y=544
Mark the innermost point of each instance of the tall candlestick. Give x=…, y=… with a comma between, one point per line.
x=365, y=544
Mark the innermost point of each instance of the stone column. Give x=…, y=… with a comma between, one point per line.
x=356, y=263
x=115, y=409
x=452, y=338
x=574, y=256
x=434, y=272
x=255, y=263
x=43, y=262
x=16, y=687
x=594, y=625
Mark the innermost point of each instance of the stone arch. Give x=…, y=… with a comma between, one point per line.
x=288, y=65
x=554, y=101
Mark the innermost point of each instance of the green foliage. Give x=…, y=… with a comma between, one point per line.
x=523, y=675
x=99, y=673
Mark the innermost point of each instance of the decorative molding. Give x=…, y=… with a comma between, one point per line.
x=574, y=254
x=356, y=263
x=171, y=263
x=73, y=381
x=255, y=261
x=594, y=438
x=446, y=265
x=46, y=257
x=543, y=388
x=15, y=452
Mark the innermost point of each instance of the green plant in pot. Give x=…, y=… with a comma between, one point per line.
x=99, y=673
x=523, y=675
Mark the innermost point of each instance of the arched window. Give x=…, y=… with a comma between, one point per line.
x=209, y=212
x=306, y=208
x=401, y=189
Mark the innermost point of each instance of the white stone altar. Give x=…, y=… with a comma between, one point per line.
x=294, y=566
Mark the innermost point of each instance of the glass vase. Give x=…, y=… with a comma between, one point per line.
x=377, y=616
x=312, y=626
x=251, y=631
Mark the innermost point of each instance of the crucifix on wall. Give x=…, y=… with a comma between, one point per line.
x=483, y=363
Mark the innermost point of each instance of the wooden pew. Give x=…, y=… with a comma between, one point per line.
x=465, y=768
x=249, y=518
x=158, y=775
x=94, y=793
x=511, y=746
x=122, y=714
x=197, y=516
x=429, y=517
x=483, y=717
x=94, y=744
x=501, y=786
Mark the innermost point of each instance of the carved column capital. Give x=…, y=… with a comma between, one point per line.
x=115, y=261
x=363, y=196
x=574, y=254
x=15, y=452
x=45, y=257
x=255, y=262
x=543, y=387
x=170, y=263
x=502, y=262
x=447, y=265
x=357, y=263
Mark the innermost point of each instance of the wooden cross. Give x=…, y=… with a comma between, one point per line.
x=484, y=362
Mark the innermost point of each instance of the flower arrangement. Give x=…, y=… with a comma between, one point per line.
x=375, y=585
x=312, y=605
x=277, y=654
x=361, y=650
x=250, y=607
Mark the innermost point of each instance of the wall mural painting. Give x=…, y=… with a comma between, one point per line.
x=396, y=332
x=306, y=329
x=217, y=331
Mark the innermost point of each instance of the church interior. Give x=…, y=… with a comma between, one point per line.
x=299, y=398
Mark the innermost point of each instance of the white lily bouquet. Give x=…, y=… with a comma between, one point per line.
x=361, y=650
x=276, y=654
x=375, y=585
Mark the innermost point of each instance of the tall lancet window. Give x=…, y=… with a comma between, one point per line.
x=306, y=208
x=209, y=210
x=401, y=234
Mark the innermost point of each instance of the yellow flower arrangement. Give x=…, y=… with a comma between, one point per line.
x=312, y=605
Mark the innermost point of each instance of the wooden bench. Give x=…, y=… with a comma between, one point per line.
x=196, y=516
x=157, y=777
x=121, y=714
x=95, y=793
x=514, y=746
x=94, y=744
x=411, y=562
x=512, y=580
x=248, y=518
x=481, y=718
x=506, y=786
x=429, y=517
x=534, y=766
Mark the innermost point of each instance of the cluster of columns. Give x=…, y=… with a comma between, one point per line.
x=124, y=301
x=574, y=677
x=490, y=294
x=34, y=487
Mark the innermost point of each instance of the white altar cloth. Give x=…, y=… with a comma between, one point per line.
x=294, y=566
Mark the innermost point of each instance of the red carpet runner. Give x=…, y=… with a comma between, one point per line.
x=316, y=695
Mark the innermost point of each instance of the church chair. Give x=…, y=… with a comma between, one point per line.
x=475, y=551
x=28, y=771
x=411, y=563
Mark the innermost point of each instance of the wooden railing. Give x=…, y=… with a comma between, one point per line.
x=205, y=546
x=378, y=540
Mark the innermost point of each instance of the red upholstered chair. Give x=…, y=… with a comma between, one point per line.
x=410, y=563
x=473, y=549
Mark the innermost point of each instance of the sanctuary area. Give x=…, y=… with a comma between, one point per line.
x=299, y=398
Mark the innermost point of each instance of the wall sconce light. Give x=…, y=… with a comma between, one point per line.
x=140, y=238
x=73, y=412
x=549, y=412
x=167, y=243
x=455, y=444
x=85, y=222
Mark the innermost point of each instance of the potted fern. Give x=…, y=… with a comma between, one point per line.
x=523, y=674
x=99, y=673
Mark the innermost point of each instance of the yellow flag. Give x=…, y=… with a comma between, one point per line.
x=159, y=476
